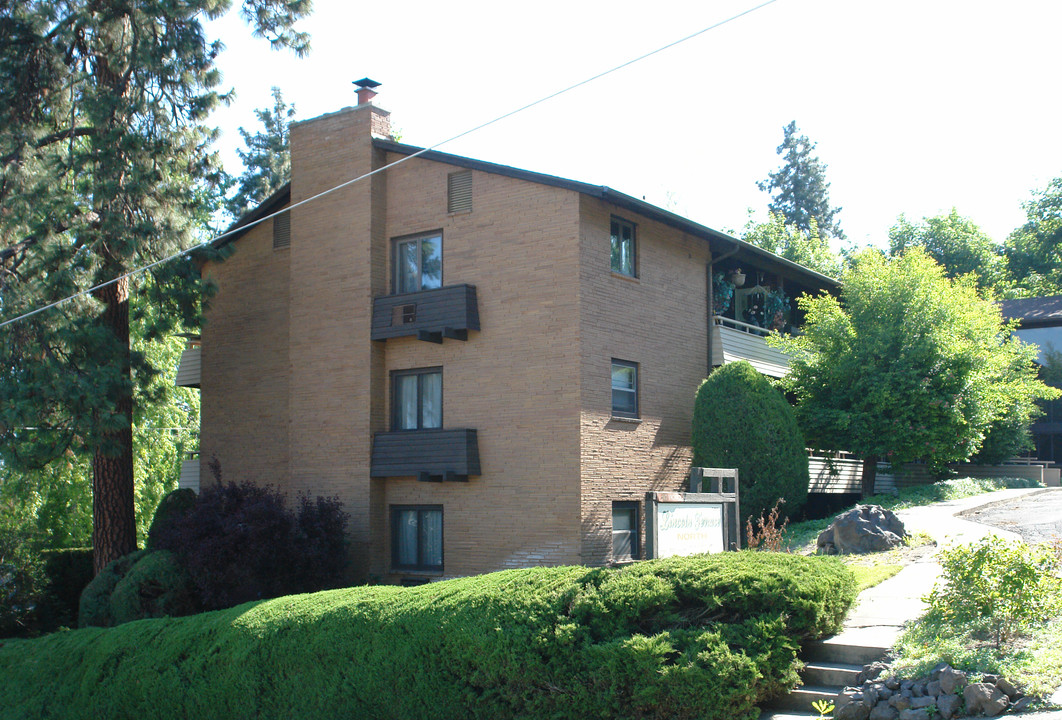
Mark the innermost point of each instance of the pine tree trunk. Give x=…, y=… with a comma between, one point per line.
x=113, y=518
x=870, y=474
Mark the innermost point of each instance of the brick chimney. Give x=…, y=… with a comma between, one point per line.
x=366, y=90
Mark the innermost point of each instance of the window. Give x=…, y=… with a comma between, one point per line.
x=624, y=389
x=416, y=537
x=623, y=249
x=418, y=264
x=625, y=531
x=416, y=399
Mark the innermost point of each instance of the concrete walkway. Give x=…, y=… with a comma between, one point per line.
x=881, y=611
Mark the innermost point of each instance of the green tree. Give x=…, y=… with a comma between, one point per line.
x=792, y=243
x=955, y=242
x=54, y=503
x=799, y=191
x=104, y=157
x=740, y=420
x=267, y=159
x=906, y=365
x=1034, y=251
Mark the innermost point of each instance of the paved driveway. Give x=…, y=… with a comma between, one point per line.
x=1037, y=517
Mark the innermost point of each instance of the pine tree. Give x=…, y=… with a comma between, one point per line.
x=105, y=165
x=267, y=159
x=799, y=191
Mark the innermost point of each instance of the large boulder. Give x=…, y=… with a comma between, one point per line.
x=863, y=529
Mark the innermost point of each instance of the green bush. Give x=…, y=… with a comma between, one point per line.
x=173, y=506
x=144, y=584
x=69, y=571
x=740, y=420
x=1000, y=585
x=698, y=637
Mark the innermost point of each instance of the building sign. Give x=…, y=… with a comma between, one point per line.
x=688, y=528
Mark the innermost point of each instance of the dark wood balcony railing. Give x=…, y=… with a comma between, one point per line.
x=431, y=315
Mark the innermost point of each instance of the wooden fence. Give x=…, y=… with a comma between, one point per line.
x=842, y=474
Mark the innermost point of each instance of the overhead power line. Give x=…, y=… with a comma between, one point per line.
x=329, y=191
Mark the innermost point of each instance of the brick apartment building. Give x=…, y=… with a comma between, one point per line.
x=489, y=367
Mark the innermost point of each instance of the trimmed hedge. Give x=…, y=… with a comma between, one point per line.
x=699, y=637
x=143, y=584
x=740, y=420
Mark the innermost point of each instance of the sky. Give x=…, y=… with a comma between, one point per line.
x=916, y=106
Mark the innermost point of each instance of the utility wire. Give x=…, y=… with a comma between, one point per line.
x=406, y=158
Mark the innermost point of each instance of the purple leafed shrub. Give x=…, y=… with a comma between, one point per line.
x=241, y=543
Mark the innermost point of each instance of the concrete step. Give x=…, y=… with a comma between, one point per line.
x=831, y=673
x=788, y=715
x=844, y=650
x=802, y=698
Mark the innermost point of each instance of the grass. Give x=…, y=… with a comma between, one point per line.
x=867, y=576
x=1032, y=661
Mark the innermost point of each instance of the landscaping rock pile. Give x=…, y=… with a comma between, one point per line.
x=863, y=529
x=946, y=693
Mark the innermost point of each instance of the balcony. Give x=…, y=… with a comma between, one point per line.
x=430, y=315
x=429, y=455
x=190, y=473
x=733, y=340
x=188, y=370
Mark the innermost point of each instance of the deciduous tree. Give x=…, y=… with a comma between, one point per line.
x=955, y=242
x=907, y=364
x=1034, y=251
x=104, y=155
x=807, y=248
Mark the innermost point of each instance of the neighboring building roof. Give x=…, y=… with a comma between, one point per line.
x=1034, y=312
x=721, y=242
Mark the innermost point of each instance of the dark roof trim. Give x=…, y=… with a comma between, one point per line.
x=1035, y=311
x=721, y=242
x=270, y=205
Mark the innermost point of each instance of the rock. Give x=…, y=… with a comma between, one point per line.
x=923, y=702
x=900, y=702
x=871, y=672
x=951, y=681
x=1008, y=688
x=983, y=698
x=990, y=679
x=1021, y=704
x=863, y=529
x=919, y=714
x=855, y=710
x=884, y=711
x=933, y=688
x=948, y=706
x=893, y=683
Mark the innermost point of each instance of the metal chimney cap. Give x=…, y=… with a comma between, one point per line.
x=366, y=83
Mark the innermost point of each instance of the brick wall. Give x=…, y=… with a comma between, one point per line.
x=245, y=372
x=516, y=381
x=659, y=321
x=294, y=387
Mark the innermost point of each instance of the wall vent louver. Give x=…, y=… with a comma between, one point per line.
x=459, y=192
x=282, y=231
